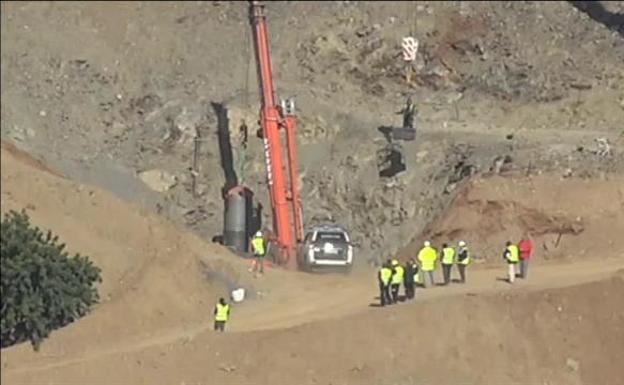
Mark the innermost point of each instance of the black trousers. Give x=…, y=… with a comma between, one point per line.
x=395, y=292
x=524, y=268
x=409, y=290
x=462, y=272
x=446, y=272
x=384, y=294
x=219, y=326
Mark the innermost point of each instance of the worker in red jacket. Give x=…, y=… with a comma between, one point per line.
x=526, y=249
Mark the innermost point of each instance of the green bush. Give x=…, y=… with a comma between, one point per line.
x=42, y=288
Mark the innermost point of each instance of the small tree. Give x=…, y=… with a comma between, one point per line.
x=42, y=288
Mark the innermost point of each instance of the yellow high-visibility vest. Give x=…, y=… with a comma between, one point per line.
x=427, y=257
x=258, y=245
x=448, y=256
x=399, y=272
x=222, y=312
x=513, y=255
x=386, y=273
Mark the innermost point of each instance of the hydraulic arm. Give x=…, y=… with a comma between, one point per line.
x=281, y=165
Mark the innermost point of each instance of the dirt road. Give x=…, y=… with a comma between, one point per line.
x=307, y=303
x=316, y=298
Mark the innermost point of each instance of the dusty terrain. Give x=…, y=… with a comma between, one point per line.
x=565, y=217
x=160, y=282
x=133, y=99
x=101, y=103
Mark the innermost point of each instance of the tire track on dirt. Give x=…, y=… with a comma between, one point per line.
x=354, y=299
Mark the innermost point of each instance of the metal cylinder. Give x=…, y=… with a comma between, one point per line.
x=234, y=232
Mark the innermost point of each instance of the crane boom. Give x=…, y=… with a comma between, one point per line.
x=274, y=117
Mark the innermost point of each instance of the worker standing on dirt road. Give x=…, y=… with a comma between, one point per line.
x=411, y=277
x=447, y=258
x=463, y=260
x=526, y=249
x=427, y=257
x=511, y=255
x=384, y=276
x=259, y=250
x=396, y=280
x=221, y=313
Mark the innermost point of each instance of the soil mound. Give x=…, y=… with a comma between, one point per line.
x=154, y=275
x=565, y=217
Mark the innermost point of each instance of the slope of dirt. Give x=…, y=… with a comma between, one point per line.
x=154, y=275
x=536, y=83
x=136, y=86
x=566, y=335
x=564, y=216
x=160, y=284
x=25, y=158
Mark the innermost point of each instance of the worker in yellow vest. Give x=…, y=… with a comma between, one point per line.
x=427, y=257
x=447, y=260
x=417, y=280
x=258, y=246
x=396, y=280
x=384, y=276
x=411, y=278
x=512, y=256
x=221, y=314
x=463, y=260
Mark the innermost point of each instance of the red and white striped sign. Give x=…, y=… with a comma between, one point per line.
x=410, y=48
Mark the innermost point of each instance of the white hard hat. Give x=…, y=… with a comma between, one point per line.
x=462, y=243
x=258, y=233
x=427, y=243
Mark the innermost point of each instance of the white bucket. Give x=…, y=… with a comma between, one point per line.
x=238, y=295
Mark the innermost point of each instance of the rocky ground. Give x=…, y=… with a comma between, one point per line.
x=115, y=94
x=562, y=325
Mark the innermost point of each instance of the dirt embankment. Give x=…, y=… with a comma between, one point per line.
x=565, y=217
x=134, y=88
x=153, y=325
x=563, y=336
x=154, y=275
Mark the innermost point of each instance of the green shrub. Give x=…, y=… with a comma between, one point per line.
x=42, y=288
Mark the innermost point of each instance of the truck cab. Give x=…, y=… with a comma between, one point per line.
x=326, y=247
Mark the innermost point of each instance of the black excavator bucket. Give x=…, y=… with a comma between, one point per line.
x=390, y=160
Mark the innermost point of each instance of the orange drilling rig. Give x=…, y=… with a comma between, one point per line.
x=281, y=175
x=324, y=245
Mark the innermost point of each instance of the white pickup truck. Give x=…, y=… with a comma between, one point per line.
x=326, y=247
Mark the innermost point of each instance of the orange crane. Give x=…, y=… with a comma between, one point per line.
x=276, y=119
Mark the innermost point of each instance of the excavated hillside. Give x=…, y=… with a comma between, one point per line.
x=520, y=111
x=564, y=217
x=113, y=94
x=160, y=283
x=150, y=269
